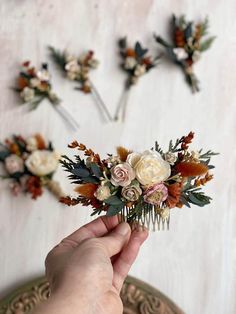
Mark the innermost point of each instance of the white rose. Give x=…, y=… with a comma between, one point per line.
x=42, y=162
x=102, y=192
x=170, y=158
x=151, y=168
x=31, y=144
x=180, y=54
x=13, y=164
x=140, y=70
x=130, y=63
x=43, y=75
x=133, y=158
x=27, y=94
x=35, y=82
x=196, y=56
x=73, y=66
x=93, y=63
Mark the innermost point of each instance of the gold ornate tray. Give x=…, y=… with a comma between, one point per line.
x=138, y=298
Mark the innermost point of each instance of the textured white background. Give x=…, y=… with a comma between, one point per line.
x=193, y=263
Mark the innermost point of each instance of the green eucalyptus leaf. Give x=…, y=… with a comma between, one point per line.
x=114, y=201
x=80, y=172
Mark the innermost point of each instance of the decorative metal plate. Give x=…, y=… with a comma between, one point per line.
x=138, y=298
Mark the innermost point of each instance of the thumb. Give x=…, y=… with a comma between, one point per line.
x=117, y=239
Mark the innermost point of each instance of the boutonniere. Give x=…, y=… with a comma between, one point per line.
x=34, y=86
x=187, y=46
x=135, y=63
x=140, y=187
x=30, y=164
x=77, y=68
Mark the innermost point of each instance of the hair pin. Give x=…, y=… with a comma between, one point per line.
x=34, y=86
x=77, y=69
x=187, y=46
x=136, y=63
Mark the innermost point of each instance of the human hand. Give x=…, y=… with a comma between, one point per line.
x=87, y=269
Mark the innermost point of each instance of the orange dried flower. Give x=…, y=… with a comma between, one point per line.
x=174, y=192
x=202, y=181
x=40, y=141
x=86, y=89
x=179, y=38
x=122, y=153
x=191, y=169
x=130, y=52
x=187, y=140
x=87, y=189
x=34, y=187
x=69, y=201
x=26, y=64
x=22, y=82
x=14, y=149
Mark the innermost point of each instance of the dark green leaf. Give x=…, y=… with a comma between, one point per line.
x=122, y=43
x=4, y=155
x=96, y=170
x=80, y=172
x=162, y=42
x=140, y=52
x=188, y=31
x=90, y=180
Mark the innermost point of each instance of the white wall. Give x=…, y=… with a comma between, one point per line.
x=193, y=262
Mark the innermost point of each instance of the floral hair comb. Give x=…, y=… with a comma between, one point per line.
x=30, y=164
x=187, y=46
x=140, y=187
x=136, y=63
x=35, y=86
x=77, y=69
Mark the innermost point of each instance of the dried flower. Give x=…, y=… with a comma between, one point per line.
x=156, y=194
x=170, y=158
x=102, y=193
x=122, y=174
x=151, y=168
x=187, y=46
x=131, y=192
x=42, y=162
x=14, y=164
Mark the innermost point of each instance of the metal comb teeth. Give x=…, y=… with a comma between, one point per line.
x=150, y=217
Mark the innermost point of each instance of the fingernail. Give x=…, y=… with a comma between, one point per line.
x=123, y=228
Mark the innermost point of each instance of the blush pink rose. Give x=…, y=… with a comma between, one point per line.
x=122, y=174
x=156, y=194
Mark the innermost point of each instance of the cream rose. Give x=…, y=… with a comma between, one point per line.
x=42, y=162
x=122, y=174
x=151, y=168
x=102, y=192
x=131, y=192
x=13, y=164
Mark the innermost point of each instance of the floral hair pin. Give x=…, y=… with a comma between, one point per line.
x=35, y=86
x=187, y=46
x=30, y=164
x=140, y=187
x=77, y=69
x=136, y=63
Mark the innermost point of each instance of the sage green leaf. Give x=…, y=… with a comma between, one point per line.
x=96, y=170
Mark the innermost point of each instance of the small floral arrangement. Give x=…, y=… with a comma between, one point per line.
x=187, y=46
x=140, y=187
x=136, y=63
x=78, y=69
x=34, y=85
x=30, y=164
